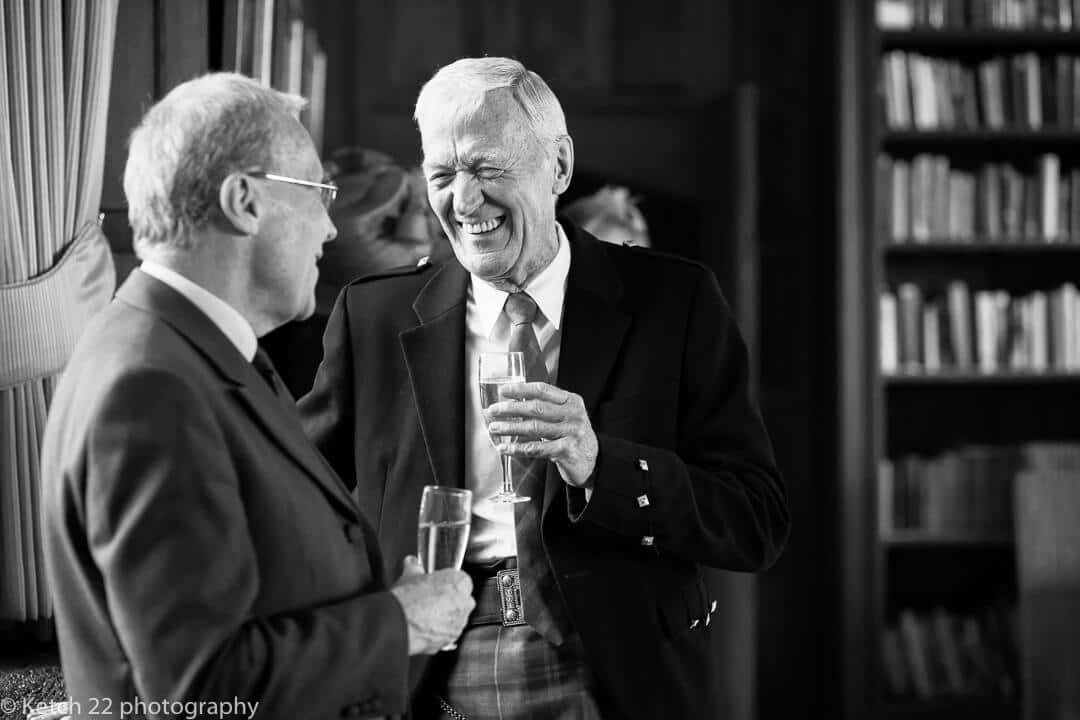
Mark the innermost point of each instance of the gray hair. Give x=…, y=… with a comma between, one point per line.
x=460, y=88
x=190, y=141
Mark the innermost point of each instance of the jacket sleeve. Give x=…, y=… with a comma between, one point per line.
x=328, y=410
x=168, y=530
x=717, y=498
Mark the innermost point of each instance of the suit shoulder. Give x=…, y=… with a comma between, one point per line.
x=406, y=279
x=403, y=272
x=656, y=260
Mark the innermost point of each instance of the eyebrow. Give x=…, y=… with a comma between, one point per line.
x=470, y=162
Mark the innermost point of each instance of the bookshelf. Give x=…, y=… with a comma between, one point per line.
x=955, y=40
x=959, y=344
x=916, y=539
x=987, y=247
x=999, y=378
x=945, y=139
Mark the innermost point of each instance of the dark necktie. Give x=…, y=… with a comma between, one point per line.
x=540, y=597
x=263, y=364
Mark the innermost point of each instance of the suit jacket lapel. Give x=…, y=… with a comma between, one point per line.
x=279, y=421
x=593, y=328
x=283, y=424
x=435, y=356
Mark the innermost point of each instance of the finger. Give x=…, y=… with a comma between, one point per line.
x=530, y=429
x=535, y=408
x=554, y=450
x=462, y=582
x=535, y=391
x=457, y=580
x=412, y=566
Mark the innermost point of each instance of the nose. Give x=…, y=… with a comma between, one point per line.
x=467, y=194
x=332, y=232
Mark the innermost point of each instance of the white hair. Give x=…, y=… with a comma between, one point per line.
x=190, y=141
x=461, y=87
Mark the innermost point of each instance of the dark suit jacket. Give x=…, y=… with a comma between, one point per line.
x=198, y=546
x=651, y=346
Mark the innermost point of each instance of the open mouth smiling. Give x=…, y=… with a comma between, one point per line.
x=484, y=226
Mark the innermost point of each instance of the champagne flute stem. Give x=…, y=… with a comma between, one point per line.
x=507, y=480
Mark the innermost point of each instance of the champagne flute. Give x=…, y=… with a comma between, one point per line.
x=442, y=532
x=497, y=369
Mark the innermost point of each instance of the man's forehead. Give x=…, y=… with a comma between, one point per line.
x=304, y=161
x=488, y=133
x=467, y=151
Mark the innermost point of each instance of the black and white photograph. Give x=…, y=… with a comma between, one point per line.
x=526, y=360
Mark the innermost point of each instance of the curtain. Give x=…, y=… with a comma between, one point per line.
x=55, y=70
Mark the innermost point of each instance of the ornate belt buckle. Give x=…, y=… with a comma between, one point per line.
x=510, y=598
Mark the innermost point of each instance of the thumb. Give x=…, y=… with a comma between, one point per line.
x=412, y=567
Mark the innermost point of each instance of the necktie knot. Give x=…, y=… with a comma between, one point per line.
x=521, y=308
x=265, y=367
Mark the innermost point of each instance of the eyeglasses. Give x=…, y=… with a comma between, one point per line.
x=327, y=191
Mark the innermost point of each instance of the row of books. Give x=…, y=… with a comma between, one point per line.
x=926, y=200
x=940, y=653
x=963, y=14
x=1050, y=457
x=1025, y=91
x=964, y=491
x=986, y=331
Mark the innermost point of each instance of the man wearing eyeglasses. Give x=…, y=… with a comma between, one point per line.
x=200, y=550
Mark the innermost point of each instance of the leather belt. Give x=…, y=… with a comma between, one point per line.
x=497, y=591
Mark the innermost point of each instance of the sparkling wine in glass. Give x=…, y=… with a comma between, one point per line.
x=498, y=369
x=442, y=532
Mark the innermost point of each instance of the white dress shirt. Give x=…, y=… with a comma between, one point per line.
x=221, y=313
x=487, y=329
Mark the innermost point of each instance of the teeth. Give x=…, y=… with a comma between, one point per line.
x=483, y=227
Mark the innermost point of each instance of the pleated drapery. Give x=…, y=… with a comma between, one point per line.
x=55, y=71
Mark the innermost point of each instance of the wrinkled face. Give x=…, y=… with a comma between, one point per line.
x=291, y=239
x=493, y=188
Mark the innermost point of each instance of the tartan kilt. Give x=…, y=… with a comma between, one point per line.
x=507, y=673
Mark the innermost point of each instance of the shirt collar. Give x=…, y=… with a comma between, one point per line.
x=235, y=327
x=548, y=289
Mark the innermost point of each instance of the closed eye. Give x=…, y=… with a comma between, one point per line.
x=439, y=179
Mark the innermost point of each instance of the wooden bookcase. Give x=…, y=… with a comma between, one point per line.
x=908, y=410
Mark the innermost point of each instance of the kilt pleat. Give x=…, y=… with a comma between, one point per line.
x=513, y=673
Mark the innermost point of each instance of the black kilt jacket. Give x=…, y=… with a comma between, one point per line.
x=685, y=477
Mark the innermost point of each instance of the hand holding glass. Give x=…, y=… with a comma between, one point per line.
x=443, y=529
x=498, y=369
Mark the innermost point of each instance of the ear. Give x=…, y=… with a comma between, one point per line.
x=242, y=204
x=564, y=164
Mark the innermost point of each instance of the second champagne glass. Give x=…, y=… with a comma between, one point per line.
x=442, y=533
x=497, y=369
